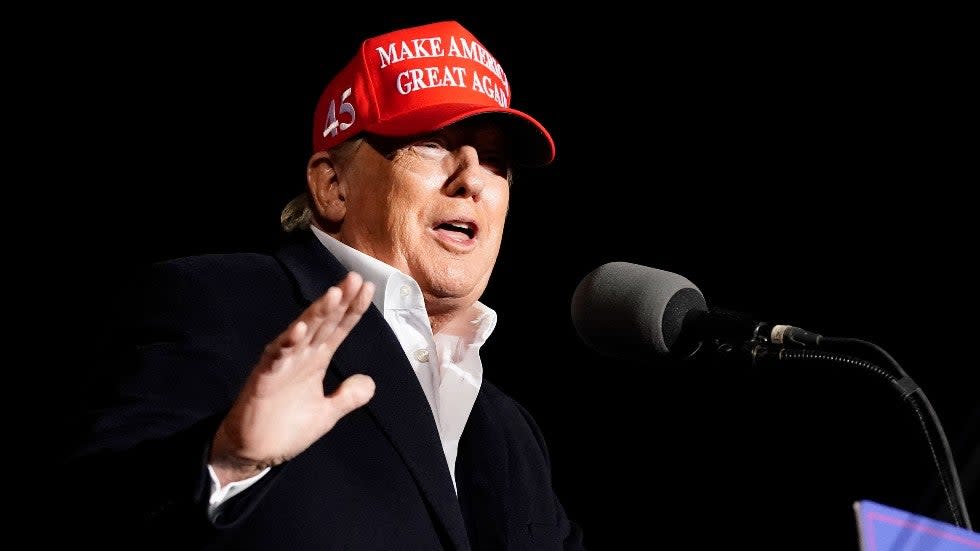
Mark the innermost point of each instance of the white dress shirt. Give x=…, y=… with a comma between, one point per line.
x=447, y=364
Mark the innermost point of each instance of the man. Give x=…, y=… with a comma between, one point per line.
x=331, y=396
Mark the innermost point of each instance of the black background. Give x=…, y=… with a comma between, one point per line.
x=811, y=168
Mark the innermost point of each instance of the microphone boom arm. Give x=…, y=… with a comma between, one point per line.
x=761, y=349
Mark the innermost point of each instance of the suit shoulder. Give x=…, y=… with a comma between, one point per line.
x=190, y=282
x=228, y=270
x=223, y=263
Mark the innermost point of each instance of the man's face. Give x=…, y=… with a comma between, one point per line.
x=433, y=206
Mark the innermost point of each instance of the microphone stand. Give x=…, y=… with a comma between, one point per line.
x=761, y=348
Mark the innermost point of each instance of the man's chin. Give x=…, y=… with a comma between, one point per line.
x=449, y=288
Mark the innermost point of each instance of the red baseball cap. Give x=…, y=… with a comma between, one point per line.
x=418, y=80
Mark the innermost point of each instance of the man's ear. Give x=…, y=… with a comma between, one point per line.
x=327, y=196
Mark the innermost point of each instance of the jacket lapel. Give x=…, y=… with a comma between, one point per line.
x=481, y=476
x=399, y=405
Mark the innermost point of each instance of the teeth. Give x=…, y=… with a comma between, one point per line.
x=463, y=227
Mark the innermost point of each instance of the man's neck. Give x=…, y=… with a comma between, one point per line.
x=448, y=315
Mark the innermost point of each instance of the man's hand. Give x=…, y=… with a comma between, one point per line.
x=282, y=410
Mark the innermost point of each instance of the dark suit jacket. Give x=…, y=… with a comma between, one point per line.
x=378, y=480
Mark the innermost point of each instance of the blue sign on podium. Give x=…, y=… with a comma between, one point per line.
x=883, y=528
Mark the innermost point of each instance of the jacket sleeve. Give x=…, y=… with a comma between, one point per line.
x=166, y=376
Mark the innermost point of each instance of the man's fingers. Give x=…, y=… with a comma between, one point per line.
x=357, y=307
x=353, y=288
x=363, y=300
x=355, y=310
x=351, y=283
x=293, y=335
x=325, y=310
x=318, y=323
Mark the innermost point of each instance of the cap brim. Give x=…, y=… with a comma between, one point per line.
x=532, y=144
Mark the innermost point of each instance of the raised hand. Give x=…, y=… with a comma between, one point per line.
x=282, y=409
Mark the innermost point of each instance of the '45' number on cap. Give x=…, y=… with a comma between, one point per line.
x=333, y=125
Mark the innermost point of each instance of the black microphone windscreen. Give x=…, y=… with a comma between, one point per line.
x=627, y=310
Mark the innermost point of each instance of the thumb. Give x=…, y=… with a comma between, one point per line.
x=353, y=393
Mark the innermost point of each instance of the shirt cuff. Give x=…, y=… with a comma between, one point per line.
x=220, y=495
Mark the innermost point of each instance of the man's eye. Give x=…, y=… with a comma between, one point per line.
x=431, y=144
x=495, y=163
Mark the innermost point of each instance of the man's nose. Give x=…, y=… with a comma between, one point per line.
x=468, y=178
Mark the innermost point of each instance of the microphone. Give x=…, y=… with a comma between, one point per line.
x=629, y=311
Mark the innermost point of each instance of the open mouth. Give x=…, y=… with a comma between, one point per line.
x=465, y=229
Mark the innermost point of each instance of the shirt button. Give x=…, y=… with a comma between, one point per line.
x=404, y=290
x=422, y=355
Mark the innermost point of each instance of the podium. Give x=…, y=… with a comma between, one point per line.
x=884, y=528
